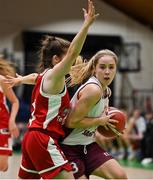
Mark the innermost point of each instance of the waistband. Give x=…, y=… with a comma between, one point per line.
x=4, y=131
x=49, y=133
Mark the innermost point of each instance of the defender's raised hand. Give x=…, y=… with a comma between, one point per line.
x=90, y=14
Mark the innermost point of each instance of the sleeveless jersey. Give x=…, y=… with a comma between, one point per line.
x=4, y=111
x=82, y=136
x=48, y=111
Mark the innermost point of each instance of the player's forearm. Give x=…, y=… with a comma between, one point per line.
x=78, y=41
x=84, y=123
x=14, y=110
x=28, y=79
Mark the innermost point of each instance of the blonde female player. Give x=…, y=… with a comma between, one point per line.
x=42, y=156
x=8, y=126
x=87, y=105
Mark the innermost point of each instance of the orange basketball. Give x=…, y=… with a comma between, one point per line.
x=120, y=126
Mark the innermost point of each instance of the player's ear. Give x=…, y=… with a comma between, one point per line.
x=55, y=60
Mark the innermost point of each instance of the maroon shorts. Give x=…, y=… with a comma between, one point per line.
x=85, y=159
x=41, y=157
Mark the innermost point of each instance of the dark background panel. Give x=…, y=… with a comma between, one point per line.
x=93, y=43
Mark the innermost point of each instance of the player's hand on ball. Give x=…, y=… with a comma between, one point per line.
x=106, y=120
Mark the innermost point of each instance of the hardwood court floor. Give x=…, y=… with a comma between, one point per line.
x=132, y=172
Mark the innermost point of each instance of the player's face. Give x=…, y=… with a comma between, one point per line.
x=105, y=70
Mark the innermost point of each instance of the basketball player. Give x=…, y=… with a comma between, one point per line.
x=81, y=139
x=87, y=105
x=42, y=156
x=8, y=126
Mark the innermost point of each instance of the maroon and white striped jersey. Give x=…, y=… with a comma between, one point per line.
x=85, y=136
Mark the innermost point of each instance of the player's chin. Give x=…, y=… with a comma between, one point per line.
x=107, y=82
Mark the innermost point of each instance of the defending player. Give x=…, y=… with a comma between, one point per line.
x=42, y=156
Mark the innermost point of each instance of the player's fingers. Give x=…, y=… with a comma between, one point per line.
x=84, y=11
x=8, y=78
x=17, y=75
x=113, y=121
x=15, y=133
x=96, y=15
x=111, y=125
x=9, y=84
x=89, y=5
x=106, y=127
x=111, y=115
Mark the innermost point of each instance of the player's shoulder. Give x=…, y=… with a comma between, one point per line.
x=92, y=88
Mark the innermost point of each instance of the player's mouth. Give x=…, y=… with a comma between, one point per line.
x=106, y=78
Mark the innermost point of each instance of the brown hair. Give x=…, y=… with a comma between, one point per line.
x=84, y=70
x=51, y=46
x=6, y=68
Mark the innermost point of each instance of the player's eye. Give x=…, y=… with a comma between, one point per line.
x=103, y=66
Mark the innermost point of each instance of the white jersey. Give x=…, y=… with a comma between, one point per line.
x=82, y=136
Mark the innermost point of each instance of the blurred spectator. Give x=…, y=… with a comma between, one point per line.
x=148, y=104
x=147, y=141
x=136, y=127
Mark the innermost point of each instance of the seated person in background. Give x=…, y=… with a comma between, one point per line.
x=133, y=135
x=147, y=140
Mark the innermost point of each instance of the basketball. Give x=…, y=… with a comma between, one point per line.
x=120, y=126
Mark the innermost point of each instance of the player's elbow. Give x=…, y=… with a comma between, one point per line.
x=71, y=123
x=33, y=78
x=16, y=103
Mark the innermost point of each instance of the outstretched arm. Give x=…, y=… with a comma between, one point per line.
x=78, y=41
x=55, y=77
x=14, y=81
